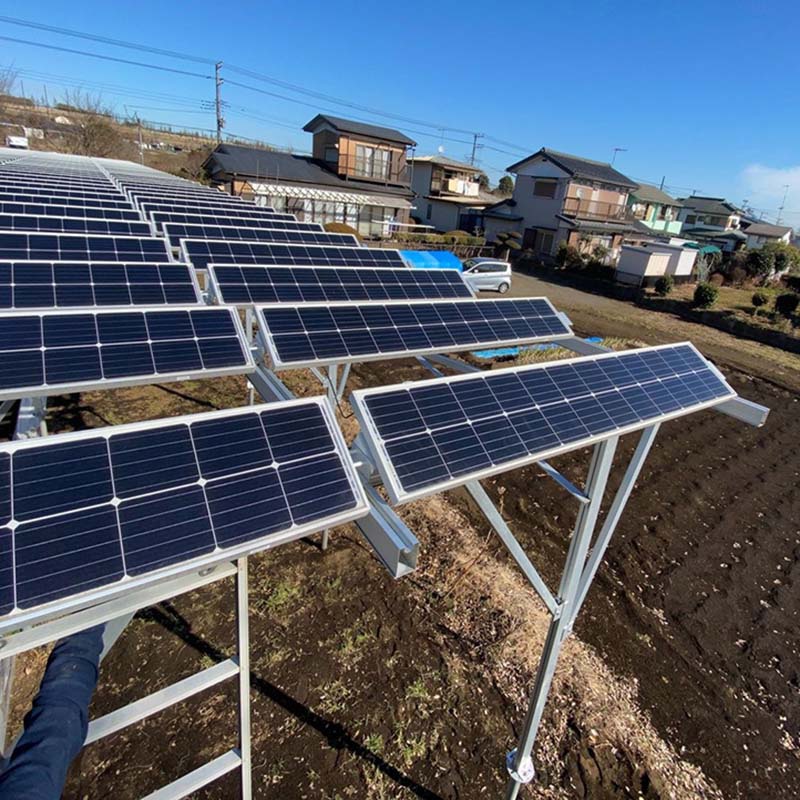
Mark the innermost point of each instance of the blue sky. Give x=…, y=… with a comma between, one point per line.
x=704, y=93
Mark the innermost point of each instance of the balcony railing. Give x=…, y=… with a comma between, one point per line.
x=596, y=209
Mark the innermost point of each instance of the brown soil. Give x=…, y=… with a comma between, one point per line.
x=681, y=680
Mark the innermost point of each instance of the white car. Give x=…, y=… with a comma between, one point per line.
x=488, y=274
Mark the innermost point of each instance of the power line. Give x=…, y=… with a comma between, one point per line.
x=106, y=58
x=105, y=40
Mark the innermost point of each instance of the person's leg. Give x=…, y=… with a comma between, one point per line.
x=55, y=728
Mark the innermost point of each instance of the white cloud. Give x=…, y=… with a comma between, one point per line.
x=764, y=187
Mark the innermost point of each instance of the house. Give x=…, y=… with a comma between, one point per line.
x=447, y=193
x=759, y=233
x=714, y=220
x=564, y=198
x=655, y=208
x=356, y=174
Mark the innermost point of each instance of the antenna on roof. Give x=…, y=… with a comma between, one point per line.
x=783, y=203
x=617, y=150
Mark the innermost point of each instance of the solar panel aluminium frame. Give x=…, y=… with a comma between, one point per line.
x=391, y=482
x=266, y=338
x=143, y=380
x=16, y=619
x=214, y=290
x=121, y=264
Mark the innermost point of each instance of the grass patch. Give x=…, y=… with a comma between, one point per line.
x=284, y=593
x=536, y=356
x=418, y=691
x=334, y=697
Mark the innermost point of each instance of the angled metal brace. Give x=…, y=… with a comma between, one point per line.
x=31, y=418
x=5, y=407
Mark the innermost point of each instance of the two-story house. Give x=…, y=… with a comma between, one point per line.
x=564, y=198
x=447, y=193
x=760, y=233
x=712, y=219
x=654, y=208
x=356, y=174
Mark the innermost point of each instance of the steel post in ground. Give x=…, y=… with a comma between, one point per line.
x=243, y=658
x=519, y=762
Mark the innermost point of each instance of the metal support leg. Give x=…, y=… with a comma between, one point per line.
x=333, y=382
x=5, y=407
x=342, y=385
x=31, y=418
x=243, y=635
x=519, y=763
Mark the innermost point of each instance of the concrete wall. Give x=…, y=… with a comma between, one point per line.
x=494, y=225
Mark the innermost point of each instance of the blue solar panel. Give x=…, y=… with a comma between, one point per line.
x=39, y=192
x=42, y=284
x=202, y=252
x=435, y=434
x=53, y=351
x=253, y=284
x=175, y=232
x=71, y=188
x=52, y=224
x=316, y=334
x=79, y=512
x=44, y=209
x=19, y=246
x=220, y=217
x=64, y=200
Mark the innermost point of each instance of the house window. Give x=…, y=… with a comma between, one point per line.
x=332, y=155
x=691, y=219
x=544, y=242
x=372, y=162
x=544, y=189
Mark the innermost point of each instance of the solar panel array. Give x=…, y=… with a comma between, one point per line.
x=206, y=210
x=318, y=334
x=17, y=246
x=61, y=284
x=435, y=434
x=202, y=252
x=175, y=232
x=244, y=286
x=53, y=210
x=70, y=224
x=56, y=351
x=224, y=218
x=83, y=511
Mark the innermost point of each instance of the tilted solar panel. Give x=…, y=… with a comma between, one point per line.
x=19, y=246
x=249, y=285
x=154, y=196
x=150, y=208
x=220, y=218
x=36, y=191
x=62, y=200
x=81, y=511
x=53, y=210
x=435, y=434
x=16, y=184
x=52, y=224
x=202, y=252
x=176, y=231
x=49, y=352
x=60, y=284
x=318, y=334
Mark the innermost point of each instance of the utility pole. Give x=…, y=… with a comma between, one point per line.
x=663, y=178
x=475, y=137
x=218, y=101
x=783, y=203
x=141, y=146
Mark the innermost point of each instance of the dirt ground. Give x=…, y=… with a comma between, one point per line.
x=681, y=681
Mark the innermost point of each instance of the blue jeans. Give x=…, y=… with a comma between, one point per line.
x=55, y=727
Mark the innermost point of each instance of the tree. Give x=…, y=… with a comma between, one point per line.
x=773, y=257
x=483, y=182
x=505, y=186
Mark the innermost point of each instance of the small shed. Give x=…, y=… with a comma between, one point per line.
x=641, y=266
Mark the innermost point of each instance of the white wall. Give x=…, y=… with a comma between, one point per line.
x=638, y=263
x=539, y=211
x=681, y=259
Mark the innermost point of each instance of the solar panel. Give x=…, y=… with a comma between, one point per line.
x=20, y=184
x=47, y=224
x=150, y=207
x=245, y=286
x=52, y=210
x=216, y=198
x=317, y=334
x=59, y=284
x=435, y=434
x=202, y=252
x=18, y=246
x=56, y=351
x=159, y=218
x=80, y=512
x=176, y=231
x=61, y=200
x=38, y=191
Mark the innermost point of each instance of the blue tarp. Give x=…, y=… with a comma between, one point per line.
x=431, y=259
x=504, y=352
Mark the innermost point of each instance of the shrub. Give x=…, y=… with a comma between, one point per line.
x=664, y=285
x=705, y=295
x=717, y=279
x=568, y=256
x=340, y=227
x=738, y=276
x=760, y=299
x=786, y=303
x=792, y=282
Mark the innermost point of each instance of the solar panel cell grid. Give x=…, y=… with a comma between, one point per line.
x=43, y=209
x=19, y=246
x=313, y=335
x=31, y=284
x=436, y=434
x=222, y=218
x=50, y=223
x=41, y=354
x=202, y=252
x=177, y=231
x=254, y=284
x=83, y=511
x=64, y=200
